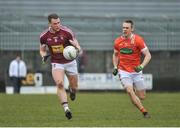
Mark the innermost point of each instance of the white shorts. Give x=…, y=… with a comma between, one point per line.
x=69, y=68
x=132, y=79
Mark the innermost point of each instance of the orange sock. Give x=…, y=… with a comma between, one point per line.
x=143, y=110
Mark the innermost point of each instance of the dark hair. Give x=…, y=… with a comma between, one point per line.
x=130, y=21
x=52, y=16
x=17, y=53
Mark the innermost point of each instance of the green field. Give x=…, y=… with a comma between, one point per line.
x=90, y=109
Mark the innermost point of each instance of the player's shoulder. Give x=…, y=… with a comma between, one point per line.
x=138, y=37
x=118, y=39
x=43, y=33
x=139, y=40
x=65, y=28
x=67, y=31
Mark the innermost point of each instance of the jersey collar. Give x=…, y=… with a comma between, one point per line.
x=131, y=36
x=51, y=30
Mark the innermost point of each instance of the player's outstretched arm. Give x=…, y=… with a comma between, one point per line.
x=75, y=43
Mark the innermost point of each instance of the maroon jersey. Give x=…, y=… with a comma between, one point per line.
x=56, y=42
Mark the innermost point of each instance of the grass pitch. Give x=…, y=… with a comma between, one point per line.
x=90, y=109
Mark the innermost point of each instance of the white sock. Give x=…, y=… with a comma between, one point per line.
x=65, y=106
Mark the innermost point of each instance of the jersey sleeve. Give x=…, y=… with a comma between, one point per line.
x=43, y=36
x=42, y=40
x=71, y=34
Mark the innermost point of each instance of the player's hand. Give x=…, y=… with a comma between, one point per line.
x=79, y=52
x=75, y=44
x=138, y=68
x=115, y=71
x=44, y=59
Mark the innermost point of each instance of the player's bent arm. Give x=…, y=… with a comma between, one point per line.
x=42, y=50
x=75, y=43
x=78, y=46
x=115, y=58
x=147, y=57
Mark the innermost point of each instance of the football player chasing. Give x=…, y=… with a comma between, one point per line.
x=128, y=49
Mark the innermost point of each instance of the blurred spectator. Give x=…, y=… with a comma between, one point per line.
x=17, y=72
x=82, y=61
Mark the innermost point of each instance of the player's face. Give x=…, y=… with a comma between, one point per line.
x=127, y=29
x=55, y=24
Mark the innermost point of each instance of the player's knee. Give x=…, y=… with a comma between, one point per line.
x=73, y=87
x=60, y=84
x=142, y=97
x=73, y=81
x=129, y=90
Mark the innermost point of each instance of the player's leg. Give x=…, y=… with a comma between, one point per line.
x=136, y=101
x=140, y=91
x=141, y=94
x=130, y=91
x=72, y=75
x=139, y=85
x=58, y=76
x=127, y=81
x=73, y=84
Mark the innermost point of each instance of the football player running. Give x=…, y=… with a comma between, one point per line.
x=128, y=49
x=56, y=38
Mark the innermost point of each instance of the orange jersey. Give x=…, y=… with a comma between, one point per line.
x=129, y=51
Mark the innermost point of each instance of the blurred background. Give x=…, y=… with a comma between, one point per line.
x=96, y=24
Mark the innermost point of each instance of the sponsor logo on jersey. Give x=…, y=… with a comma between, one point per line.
x=126, y=51
x=62, y=38
x=55, y=39
x=57, y=48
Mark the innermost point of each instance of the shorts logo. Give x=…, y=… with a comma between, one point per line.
x=126, y=51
